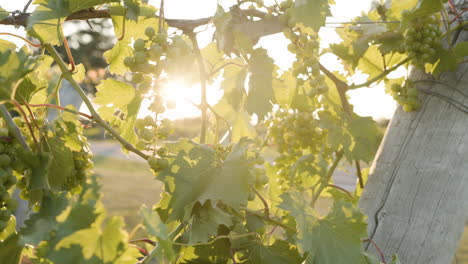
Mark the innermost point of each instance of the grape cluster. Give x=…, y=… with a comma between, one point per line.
x=150, y=130
x=406, y=95
x=422, y=40
x=8, y=163
x=296, y=134
x=306, y=67
x=146, y=56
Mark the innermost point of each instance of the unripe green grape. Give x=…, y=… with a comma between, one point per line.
x=158, y=108
x=140, y=145
x=156, y=51
x=407, y=108
x=144, y=86
x=153, y=162
x=139, y=57
x=150, y=32
x=162, y=151
x=129, y=62
x=149, y=121
x=137, y=77
x=146, y=134
x=395, y=88
x=160, y=38
x=139, y=45
x=140, y=123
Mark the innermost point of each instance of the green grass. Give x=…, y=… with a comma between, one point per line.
x=126, y=185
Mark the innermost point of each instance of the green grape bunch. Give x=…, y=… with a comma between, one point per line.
x=422, y=40
x=296, y=134
x=10, y=166
x=306, y=68
x=406, y=95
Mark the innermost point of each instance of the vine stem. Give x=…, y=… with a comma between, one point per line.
x=203, y=78
x=265, y=203
x=25, y=116
x=269, y=219
x=380, y=76
x=341, y=189
x=215, y=239
x=62, y=108
x=328, y=176
x=67, y=75
x=382, y=257
x=153, y=252
x=12, y=127
x=20, y=37
x=341, y=86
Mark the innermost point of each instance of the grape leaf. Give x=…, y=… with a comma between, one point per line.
x=311, y=13
x=222, y=21
x=195, y=175
x=14, y=65
x=113, y=95
x=35, y=80
x=205, y=221
x=109, y=245
x=426, y=7
x=260, y=97
x=364, y=133
x=281, y=252
x=39, y=225
x=212, y=56
x=61, y=163
x=242, y=127
x=157, y=228
x=10, y=249
x=372, y=63
x=10, y=229
x=3, y=13
x=45, y=21
x=233, y=84
x=449, y=59
x=127, y=129
x=397, y=6
x=133, y=9
x=284, y=88
x=334, y=239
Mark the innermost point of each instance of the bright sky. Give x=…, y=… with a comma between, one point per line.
x=367, y=102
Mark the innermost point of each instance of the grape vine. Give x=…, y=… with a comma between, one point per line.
x=248, y=192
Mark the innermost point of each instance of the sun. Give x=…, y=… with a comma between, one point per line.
x=180, y=99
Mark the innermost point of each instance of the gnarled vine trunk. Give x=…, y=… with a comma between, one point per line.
x=417, y=194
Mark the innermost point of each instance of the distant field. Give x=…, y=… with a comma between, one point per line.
x=126, y=185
